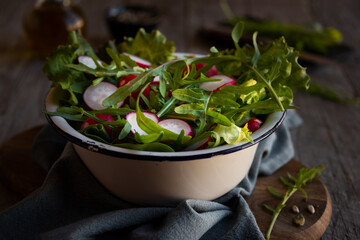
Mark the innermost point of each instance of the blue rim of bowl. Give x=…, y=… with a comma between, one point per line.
x=102, y=148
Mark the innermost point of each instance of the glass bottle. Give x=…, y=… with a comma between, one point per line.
x=49, y=22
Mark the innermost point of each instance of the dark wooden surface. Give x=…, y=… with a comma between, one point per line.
x=330, y=131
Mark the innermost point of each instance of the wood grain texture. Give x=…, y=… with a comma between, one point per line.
x=18, y=170
x=328, y=136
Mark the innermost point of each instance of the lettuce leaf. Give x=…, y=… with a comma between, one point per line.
x=233, y=134
x=153, y=47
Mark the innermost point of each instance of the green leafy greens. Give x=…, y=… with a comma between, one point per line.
x=304, y=176
x=264, y=75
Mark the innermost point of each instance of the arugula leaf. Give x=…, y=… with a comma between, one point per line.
x=66, y=116
x=123, y=92
x=150, y=138
x=219, y=118
x=134, y=85
x=303, y=177
x=124, y=131
x=236, y=34
x=97, y=132
x=189, y=95
x=196, y=109
x=219, y=98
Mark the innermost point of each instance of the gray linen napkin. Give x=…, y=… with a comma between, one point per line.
x=72, y=204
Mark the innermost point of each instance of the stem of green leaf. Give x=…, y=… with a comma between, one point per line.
x=269, y=87
x=277, y=211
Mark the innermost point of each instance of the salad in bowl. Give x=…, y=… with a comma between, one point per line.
x=176, y=122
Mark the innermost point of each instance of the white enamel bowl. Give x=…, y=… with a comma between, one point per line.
x=163, y=178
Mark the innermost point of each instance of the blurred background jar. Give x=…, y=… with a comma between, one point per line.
x=48, y=24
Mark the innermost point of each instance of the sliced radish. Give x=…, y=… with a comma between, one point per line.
x=139, y=61
x=215, y=86
x=156, y=80
x=125, y=81
x=91, y=121
x=131, y=118
x=212, y=71
x=95, y=95
x=88, y=61
x=176, y=126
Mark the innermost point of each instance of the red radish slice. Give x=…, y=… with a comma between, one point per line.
x=156, y=80
x=91, y=121
x=176, y=126
x=88, y=61
x=125, y=81
x=95, y=95
x=139, y=61
x=131, y=118
x=215, y=86
x=253, y=124
x=212, y=71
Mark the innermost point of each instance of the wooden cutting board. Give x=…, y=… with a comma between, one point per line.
x=318, y=196
x=20, y=174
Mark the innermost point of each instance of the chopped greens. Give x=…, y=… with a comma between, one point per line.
x=264, y=77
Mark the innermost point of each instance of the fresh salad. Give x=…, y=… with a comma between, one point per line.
x=140, y=94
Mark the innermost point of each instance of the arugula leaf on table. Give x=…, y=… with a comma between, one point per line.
x=293, y=184
x=320, y=90
x=310, y=37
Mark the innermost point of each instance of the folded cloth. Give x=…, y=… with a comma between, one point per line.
x=72, y=204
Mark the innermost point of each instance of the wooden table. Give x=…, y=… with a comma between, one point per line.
x=330, y=131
